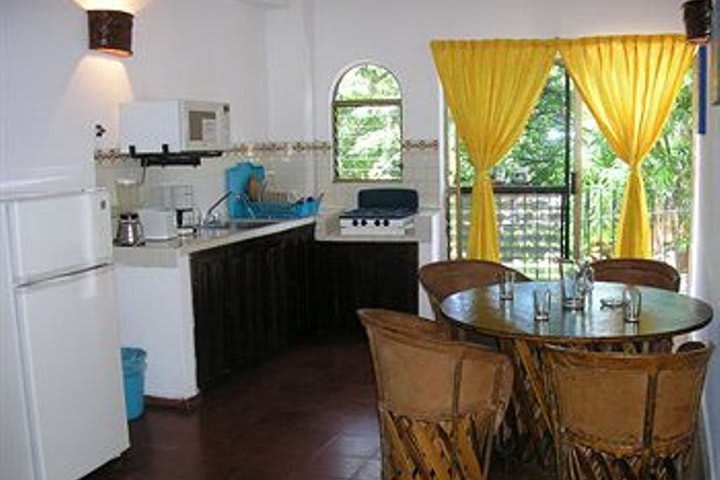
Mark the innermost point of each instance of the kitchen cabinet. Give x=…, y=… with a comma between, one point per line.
x=240, y=295
x=250, y=300
x=258, y=314
x=352, y=275
x=210, y=297
x=300, y=275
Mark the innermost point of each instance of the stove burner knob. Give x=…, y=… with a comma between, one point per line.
x=386, y=222
x=377, y=222
x=363, y=222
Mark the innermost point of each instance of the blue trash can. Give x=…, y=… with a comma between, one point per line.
x=133, y=362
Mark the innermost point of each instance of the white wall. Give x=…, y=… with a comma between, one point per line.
x=209, y=50
x=397, y=34
x=706, y=264
x=290, y=59
x=53, y=89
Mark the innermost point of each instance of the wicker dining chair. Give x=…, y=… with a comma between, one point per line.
x=443, y=278
x=439, y=401
x=619, y=417
x=638, y=271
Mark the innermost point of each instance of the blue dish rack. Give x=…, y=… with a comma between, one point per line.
x=299, y=209
x=240, y=206
x=237, y=178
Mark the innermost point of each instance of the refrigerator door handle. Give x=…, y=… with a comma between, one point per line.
x=62, y=275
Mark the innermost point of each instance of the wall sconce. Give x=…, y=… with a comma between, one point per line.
x=110, y=31
x=697, y=15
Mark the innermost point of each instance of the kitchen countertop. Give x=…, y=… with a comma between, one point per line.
x=166, y=253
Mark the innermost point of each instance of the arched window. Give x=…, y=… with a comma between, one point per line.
x=367, y=125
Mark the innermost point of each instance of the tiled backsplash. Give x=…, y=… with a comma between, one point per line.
x=421, y=170
x=303, y=168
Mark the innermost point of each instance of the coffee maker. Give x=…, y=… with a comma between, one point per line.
x=182, y=200
x=129, y=231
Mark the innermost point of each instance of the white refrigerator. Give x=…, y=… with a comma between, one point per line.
x=62, y=411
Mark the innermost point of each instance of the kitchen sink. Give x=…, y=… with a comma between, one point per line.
x=240, y=224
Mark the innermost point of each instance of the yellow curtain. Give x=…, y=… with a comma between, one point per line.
x=491, y=87
x=630, y=84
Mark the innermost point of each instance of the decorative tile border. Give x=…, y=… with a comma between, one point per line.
x=285, y=147
x=113, y=156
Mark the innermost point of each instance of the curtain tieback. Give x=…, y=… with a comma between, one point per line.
x=635, y=170
x=482, y=178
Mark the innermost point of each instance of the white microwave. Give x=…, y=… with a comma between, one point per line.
x=182, y=125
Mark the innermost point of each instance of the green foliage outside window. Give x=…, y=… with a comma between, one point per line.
x=367, y=125
x=540, y=152
x=667, y=172
x=668, y=168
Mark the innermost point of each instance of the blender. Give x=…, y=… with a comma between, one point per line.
x=129, y=230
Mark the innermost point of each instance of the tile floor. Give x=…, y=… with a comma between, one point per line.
x=306, y=414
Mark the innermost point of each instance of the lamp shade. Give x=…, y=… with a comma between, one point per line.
x=110, y=31
x=697, y=15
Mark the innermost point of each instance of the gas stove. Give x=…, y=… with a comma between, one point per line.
x=381, y=211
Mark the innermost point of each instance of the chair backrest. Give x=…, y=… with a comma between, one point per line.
x=402, y=323
x=435, y=397
x=633, y=412
x=440, y=279
x=637, y=271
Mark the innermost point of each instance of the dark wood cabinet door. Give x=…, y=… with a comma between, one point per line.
x=298, y=257
x=245, y=325
x=352, y=275
x=267, y=299
x=209, y=279
x=274, y=293
x=250, y=299
x=258, y=311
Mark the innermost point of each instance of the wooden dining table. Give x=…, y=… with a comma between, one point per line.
x=526, y=431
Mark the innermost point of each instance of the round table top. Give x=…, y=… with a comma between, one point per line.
x=664, y=314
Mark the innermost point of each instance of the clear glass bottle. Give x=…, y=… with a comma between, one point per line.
x=570, y=288
x=586, y=278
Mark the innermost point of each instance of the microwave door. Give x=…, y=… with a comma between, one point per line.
x=202, y=129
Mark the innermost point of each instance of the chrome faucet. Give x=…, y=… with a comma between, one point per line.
x=211, y=217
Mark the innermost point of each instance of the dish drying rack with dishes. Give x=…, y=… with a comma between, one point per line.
x=253, y=199
x=304, y=207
